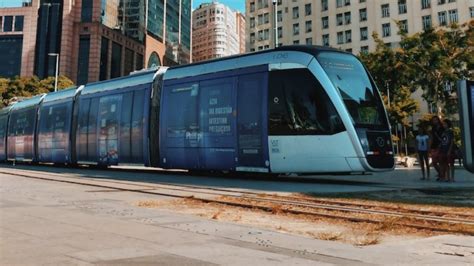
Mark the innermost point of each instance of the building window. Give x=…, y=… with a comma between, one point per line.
x=116, y=63
x=7, y=23
x=279, y=16
x=425, y=4
x=364, y=33
x=426, y=20
x=280, y=32
x=139, y=61
x=339, y=3
x=308, y=26
x=19, y=20
x=363, y=14
x=348, y=34
x=83, y=61
x=404, y=26
x=296, y=29
x=361, y=1
x=347, y=18
x=266, y=18
x=307, y=10
x=441, y=2
x=386, y=11
x=339, y=20
x=86, y=12
x=252, y=23
x=471, y=10
x=326, y=39
x=296, y=12
x=325, y=22
x=296, y=42
x=452, y=1
x=340, y=37
x=453, y=16
x=324, y=5
x=104, y=51
x=402, y=6
x=309, y=41
x=386, y=31
x=442, y=18
x=364, y=49
x=252, y=7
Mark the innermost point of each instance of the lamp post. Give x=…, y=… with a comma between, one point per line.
x=56, y=72
x=275, y=9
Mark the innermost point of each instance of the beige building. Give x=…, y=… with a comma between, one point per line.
x=347, y=24
x=218, y=31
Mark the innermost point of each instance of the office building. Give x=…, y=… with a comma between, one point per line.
x=95, y=40
x=348, y=24
x=218, y=31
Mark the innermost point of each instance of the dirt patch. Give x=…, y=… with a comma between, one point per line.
x=448, y=197
x=356, y=233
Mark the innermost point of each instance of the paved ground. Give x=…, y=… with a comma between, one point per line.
x=43, y=222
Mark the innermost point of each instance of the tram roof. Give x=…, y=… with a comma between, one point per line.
x=135, y=78
x=28, y=102
x=61, y=95
x=6, y=110
x=309, y=49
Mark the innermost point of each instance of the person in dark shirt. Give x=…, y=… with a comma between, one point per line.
x=446, y=153
x=435, y=139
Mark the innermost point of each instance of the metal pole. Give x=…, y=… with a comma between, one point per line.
x=56, y=76
x=275, y=9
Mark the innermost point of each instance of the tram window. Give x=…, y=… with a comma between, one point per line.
x=184, y=119
x=23, y=123
x=298, y=105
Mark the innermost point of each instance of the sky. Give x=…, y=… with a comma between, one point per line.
x=10, y=3
x=238, y=5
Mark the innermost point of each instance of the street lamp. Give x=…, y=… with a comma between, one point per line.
x=275, y=8
x=57, y=68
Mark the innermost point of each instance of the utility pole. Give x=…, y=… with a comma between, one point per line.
x=275, y=9
x=57, y=70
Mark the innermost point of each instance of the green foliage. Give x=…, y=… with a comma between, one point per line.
x=25, y=87
x=426, y=60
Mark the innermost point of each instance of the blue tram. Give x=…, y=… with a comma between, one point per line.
x=301, y=109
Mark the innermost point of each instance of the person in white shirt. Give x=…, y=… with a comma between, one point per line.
x=422, y=141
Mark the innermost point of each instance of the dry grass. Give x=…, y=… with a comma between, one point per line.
x=217, y=214
x=367, y=240
x=356, y=233
x=331, y=236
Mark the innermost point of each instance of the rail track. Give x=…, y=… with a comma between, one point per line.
x=452, y=222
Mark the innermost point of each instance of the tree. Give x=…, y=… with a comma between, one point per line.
x=437, y=58
x=25, y=87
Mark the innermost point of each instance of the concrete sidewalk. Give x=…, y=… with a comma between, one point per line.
x=43, y=222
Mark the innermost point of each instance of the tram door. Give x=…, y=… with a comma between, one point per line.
x=251, y=125
x=109, y=117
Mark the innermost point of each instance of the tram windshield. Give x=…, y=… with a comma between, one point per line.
x=356, y=89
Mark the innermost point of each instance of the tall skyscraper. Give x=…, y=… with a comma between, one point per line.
x=218, y=31
x=96, y=40
x=348, y=24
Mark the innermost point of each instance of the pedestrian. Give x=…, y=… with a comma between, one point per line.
x=435, y=139
x=422, y=140
x=446, y=150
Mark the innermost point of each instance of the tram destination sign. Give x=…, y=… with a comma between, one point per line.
x=466, y=104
